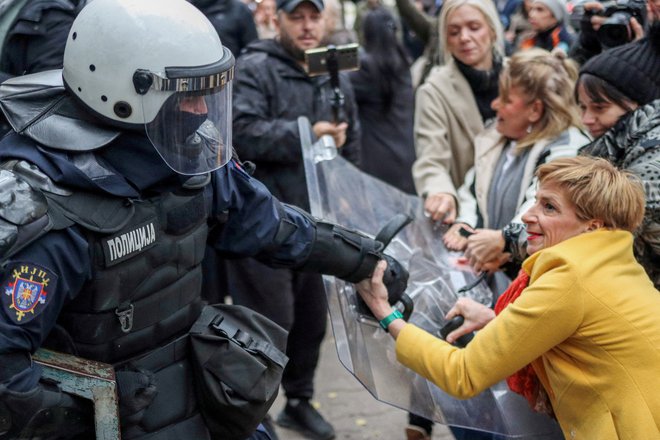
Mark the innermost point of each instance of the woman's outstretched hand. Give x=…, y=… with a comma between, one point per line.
x=441, y=207
x=453, y=239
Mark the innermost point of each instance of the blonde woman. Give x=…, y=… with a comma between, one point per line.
x=454, y=102
x=537, y=121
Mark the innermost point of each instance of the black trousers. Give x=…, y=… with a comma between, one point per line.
x=297, y=302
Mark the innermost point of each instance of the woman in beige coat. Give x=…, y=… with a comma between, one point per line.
x=454, y=102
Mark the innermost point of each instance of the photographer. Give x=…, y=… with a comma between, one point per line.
x=592, y=40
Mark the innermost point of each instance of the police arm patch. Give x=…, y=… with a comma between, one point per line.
x=25, y=291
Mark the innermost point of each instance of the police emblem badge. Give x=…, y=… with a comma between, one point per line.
x=25, y=293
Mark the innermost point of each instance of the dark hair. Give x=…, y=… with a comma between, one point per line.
x=380, y=41
x=600, y=90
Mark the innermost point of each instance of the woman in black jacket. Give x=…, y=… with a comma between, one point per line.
x=384, y=94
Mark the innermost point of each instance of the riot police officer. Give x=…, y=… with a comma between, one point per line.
x=118, y=167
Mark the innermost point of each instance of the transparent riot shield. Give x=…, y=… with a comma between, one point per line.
x=339, y=192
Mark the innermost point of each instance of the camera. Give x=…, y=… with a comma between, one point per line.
x=616, y=29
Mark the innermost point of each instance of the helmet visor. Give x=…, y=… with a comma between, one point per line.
x=192, y=130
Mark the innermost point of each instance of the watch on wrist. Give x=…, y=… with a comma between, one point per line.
x=386, y=321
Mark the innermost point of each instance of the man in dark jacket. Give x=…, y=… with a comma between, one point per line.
x=272, y=90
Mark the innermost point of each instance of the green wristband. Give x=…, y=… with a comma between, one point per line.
x=386, y=321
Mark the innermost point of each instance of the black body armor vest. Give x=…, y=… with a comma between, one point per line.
x=146, y=283
x=144, y=295
x=145, y=288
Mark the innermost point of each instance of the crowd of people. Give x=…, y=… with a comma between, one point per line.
x=530, y=129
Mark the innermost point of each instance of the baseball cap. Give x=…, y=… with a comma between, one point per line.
x=289, y=5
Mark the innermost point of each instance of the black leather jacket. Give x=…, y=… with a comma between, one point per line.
x=270, y=92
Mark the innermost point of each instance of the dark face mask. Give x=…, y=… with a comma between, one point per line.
x=185, y=126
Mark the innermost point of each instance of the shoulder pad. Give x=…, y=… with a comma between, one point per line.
x=38, y=107
x=20, y=204
x=96, y=212
x=31, y=174
x=42, y=184
x=23, y=214
x=31, y=204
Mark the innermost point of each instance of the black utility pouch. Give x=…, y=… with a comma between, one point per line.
x=238, y=359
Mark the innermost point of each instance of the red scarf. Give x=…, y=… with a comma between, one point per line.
x=524, y=381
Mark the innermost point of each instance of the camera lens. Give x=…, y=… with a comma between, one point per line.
x=616, y=30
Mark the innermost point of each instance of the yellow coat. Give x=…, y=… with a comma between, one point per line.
x=589, y=322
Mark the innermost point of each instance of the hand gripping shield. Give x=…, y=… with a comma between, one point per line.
x=341, y=193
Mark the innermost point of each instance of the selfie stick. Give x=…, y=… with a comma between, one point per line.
x=337, y=96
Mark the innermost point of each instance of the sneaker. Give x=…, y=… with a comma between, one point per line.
x=300, y=415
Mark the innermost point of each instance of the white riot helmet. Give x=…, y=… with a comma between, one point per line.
x=158, y=64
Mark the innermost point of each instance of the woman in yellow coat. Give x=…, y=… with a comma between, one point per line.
x=578, y=332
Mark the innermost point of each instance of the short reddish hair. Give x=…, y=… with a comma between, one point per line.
x=598, y=190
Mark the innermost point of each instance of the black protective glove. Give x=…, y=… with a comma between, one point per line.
x=137, y=390
x=395, y=279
